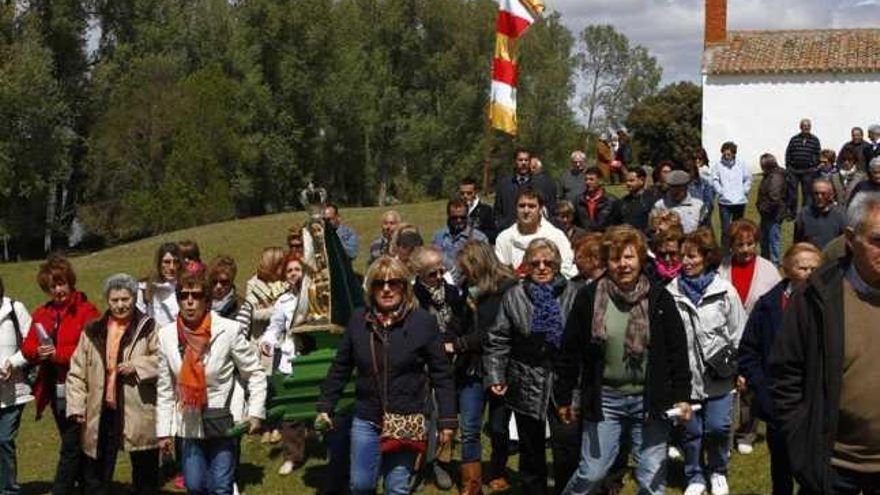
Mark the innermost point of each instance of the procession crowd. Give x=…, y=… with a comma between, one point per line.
x=619, y=333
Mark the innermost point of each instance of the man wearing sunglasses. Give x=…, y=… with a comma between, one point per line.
x=510, y=246
x=450, y=238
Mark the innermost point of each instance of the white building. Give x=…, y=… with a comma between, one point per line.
x=757, y=85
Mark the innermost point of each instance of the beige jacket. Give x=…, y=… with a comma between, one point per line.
x=137, y=395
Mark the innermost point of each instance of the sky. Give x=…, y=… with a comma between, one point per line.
x=672, y=30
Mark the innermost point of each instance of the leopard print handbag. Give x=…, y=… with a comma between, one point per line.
x=400, y=432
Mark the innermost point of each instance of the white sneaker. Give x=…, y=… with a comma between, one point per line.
x=744, y=448
x=674, y=453
x=695, y=489
x=719, y=484
x=286, y=468
x=235, y=489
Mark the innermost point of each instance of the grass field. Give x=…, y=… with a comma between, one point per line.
x=244, y=239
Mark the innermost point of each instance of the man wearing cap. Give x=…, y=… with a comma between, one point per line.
x=690, y=209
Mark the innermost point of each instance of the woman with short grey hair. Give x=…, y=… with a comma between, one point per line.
x=521, y=348
x=111, y=390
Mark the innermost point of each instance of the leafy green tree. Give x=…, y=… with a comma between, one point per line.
x=616, y=75
x=667, y=125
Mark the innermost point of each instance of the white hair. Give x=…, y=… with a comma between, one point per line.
x=578, y=155
x=860, y=207
x=875, y=162
x=120, y=281
x=875, y=128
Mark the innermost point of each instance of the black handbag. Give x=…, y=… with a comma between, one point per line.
x=723, y=364
x=217, y=421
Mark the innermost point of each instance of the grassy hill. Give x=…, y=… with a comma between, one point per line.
x=244, y=240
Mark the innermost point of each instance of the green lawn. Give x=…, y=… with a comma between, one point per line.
x=244, y=239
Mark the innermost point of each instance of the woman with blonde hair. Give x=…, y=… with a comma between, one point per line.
x=485, y=281
x=396, y=349
x=261, y=292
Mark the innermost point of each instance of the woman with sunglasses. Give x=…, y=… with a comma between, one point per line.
x=519, y=358
x=485, y=281
x=111, y=391
x=155, y=296
x=444, y=301
x=626, y=347
x=199, y=356
x=279, y=343
x=221, y=275
x=397, y=351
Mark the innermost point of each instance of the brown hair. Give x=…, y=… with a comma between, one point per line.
x=743, y=227
x=796, y=249
x=481, y=267
x=672, y=234
x=618, y=237
x=531, y=193
x=269, y=269
x=656, y=217
x=191, y=280
x=56, y=269
x=829, y=155
x=589, y=245
x=386, y=267
x=289, y=257
x=704, y=240
x=222, y=264
x=189, y=249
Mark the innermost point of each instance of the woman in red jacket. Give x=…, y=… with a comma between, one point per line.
x=50, y=343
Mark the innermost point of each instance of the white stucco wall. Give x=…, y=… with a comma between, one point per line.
x=761, y=113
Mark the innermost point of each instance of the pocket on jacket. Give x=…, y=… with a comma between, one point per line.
x=525, y=385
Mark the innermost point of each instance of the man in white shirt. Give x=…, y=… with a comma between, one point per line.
x=510, y=246
x=690, y=210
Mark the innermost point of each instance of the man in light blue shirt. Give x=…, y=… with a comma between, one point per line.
x=691, y=211
x=451, y=238
x=346, y=234
x=732, y=181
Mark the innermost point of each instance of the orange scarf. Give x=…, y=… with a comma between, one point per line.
x=192, y=384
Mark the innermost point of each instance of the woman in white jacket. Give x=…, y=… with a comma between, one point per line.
x=198, y=356
x=156, y=296
x=714, y=320
x=279, y=342
x=14, y=392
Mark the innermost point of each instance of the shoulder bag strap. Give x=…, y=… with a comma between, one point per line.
x=15, y=323
x=376, y=370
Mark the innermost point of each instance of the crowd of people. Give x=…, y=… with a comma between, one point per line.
x=618, y=332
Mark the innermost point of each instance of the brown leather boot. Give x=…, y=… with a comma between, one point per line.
x=471, y=478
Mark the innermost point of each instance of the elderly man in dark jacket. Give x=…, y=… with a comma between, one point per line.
x=859, y=148
x=802, y=158
x=826, y=379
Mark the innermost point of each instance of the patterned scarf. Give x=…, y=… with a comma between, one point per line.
x=192, y=384
x=593, y=202
x=694, y=287
x=438, y=307
x=634, y=302
x=386, y=320
x=546, y=312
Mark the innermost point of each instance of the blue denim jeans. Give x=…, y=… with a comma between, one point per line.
x=368, y=462
x=728, y=214
x=771, y=240
x=10, y=419
x=600, y=444
x=709, y=428
x=470, y=403
x=209, y=465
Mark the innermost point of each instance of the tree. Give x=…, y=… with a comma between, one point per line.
x=667, y=125
x=616, y=76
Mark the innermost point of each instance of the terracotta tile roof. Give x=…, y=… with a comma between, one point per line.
x=802, y=51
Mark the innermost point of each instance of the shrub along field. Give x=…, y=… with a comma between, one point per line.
x=244, y=239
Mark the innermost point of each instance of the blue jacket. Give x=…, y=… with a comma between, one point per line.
x=764, y=324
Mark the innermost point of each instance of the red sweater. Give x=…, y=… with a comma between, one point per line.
x=741, y=277
x=64, y=324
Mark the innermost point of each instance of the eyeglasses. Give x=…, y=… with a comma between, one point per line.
x=195, y=294
x=540, y=263
x=436, y=273
x=225, y=282
x=395, y=284
x=295, y=246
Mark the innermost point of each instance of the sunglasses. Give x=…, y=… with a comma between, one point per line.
x=223, y=282
x=395, y=284
x=540, y=263
x=436, y=273
x=197, y=295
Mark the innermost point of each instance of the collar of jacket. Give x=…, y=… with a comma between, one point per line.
x=714, y=288
x=100, y=326
x=559, y=284
x=75, y=300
